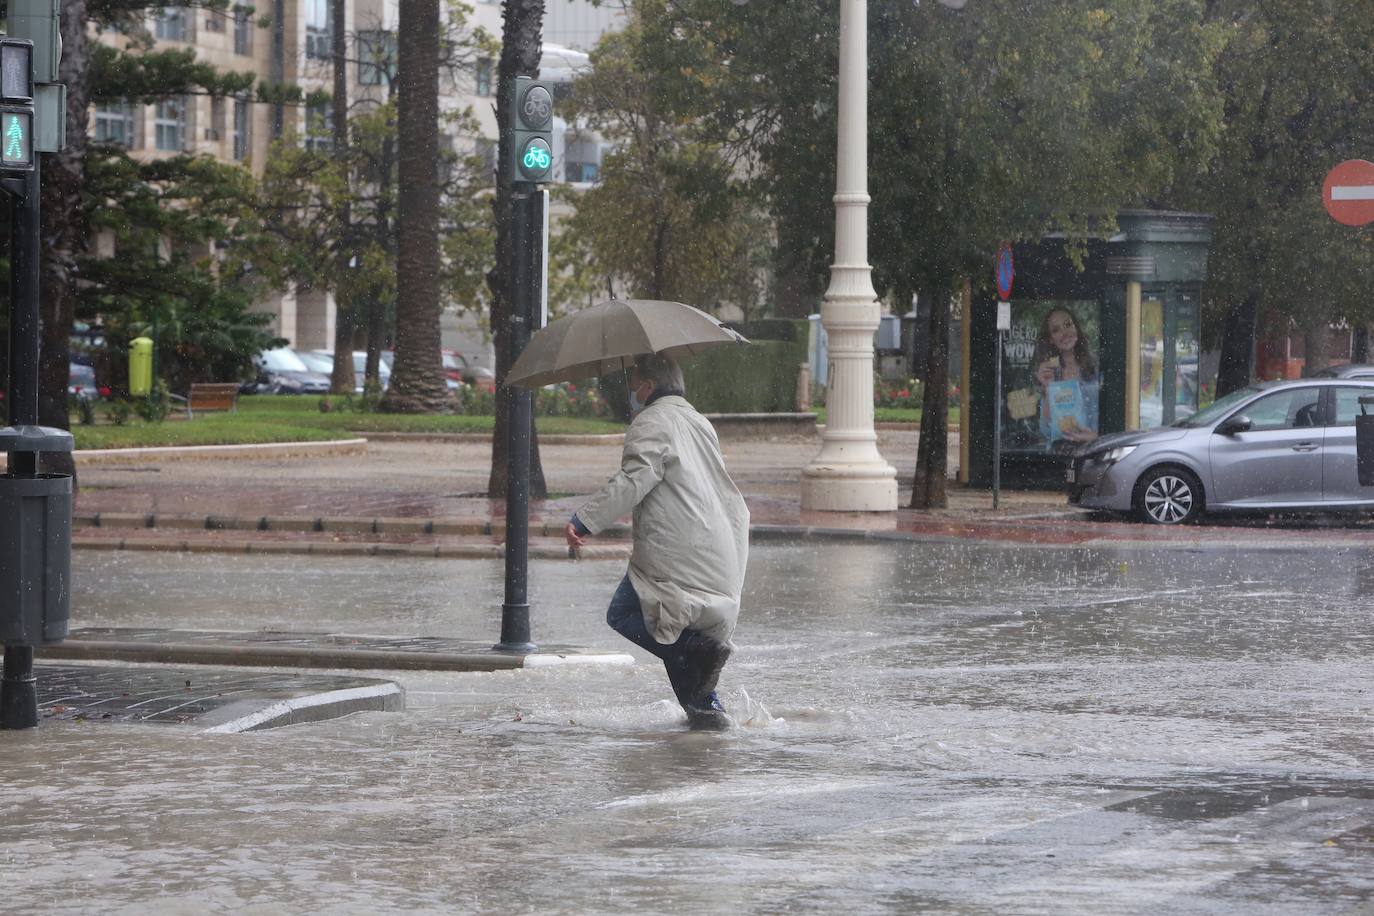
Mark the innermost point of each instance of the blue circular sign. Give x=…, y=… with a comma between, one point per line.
x=1004, y=272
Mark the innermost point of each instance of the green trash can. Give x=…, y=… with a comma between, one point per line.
x=140, y=367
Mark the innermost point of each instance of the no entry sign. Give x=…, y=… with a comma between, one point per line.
x=1004, y=272
x=1348, y=193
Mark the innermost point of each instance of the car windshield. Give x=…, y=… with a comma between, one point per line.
x=317, y=363
x=1218, y=408
x=283, y=360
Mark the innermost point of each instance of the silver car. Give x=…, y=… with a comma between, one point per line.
x=1277, y=445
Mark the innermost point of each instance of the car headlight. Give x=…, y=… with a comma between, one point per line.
x=1112, y=456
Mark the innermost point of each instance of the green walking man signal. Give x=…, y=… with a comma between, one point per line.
x=16, y=105
x=529, y=111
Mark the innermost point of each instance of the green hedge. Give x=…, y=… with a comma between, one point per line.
x=758, y=378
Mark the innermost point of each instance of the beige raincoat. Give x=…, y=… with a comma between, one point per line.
x=691, y=527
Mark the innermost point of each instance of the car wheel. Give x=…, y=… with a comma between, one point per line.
x=1168, y=496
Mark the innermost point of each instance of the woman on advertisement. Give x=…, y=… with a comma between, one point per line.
x=1066, y=372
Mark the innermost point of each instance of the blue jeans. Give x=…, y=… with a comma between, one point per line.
x=626, y=617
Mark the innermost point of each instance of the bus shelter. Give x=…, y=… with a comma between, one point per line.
x=1110, y=346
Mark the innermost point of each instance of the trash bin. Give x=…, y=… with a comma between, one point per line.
x=35, y=543
x=140, y=367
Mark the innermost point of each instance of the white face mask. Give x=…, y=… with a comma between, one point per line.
x=636, y=405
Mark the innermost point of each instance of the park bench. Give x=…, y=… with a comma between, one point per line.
x=205, y=396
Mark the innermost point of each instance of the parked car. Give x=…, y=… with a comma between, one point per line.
x=81, y=382
x=461, y=369
x=281, y=371
x=317, y=362
x=1349, y=370
x=360, y=368
x=1272, y=446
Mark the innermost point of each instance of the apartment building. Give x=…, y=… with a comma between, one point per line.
x=290, y=42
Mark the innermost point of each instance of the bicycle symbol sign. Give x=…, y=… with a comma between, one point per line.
x=537, y=107
x=537, y=158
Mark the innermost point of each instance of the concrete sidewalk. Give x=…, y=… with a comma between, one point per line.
x=424, y=498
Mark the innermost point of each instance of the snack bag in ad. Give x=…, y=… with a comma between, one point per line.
x=1067, y=410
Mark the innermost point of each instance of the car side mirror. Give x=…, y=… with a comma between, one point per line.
x=1237, y=424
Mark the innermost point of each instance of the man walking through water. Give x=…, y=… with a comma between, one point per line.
x=680, y=598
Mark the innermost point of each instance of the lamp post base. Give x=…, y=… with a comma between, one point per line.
x=871, y=488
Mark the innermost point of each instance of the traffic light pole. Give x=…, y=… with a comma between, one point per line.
x=18, y=687
x=527, y=217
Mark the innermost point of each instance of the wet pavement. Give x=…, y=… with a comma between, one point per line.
x=965, y=727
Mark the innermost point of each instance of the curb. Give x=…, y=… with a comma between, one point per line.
x=257, y=450
x=348, y=549
x=549, y=439
x=298, y=524
x=278, y=656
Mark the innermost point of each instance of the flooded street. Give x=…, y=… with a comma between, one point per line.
x=968, y=728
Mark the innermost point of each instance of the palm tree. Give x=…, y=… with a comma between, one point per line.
x=417, y=377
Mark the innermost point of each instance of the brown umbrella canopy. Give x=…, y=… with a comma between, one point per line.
x=608, y=336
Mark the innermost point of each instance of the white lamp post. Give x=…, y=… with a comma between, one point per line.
x=848, y=474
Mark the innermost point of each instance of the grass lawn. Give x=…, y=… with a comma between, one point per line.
x=893, y=414
x=286, y=418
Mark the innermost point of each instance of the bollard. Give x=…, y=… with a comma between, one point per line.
x=35, y=564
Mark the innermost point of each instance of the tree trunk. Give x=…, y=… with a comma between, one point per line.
x=345, y=313
x=1238, y=346
x=795, y=293
x=928, y=485
x=417, y=375
x=64, y=231
x=1314, y=349
x=521, y=45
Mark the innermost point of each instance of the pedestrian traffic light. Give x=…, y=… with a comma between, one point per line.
x=16, y=104
x=39, y=21
x=531, y=119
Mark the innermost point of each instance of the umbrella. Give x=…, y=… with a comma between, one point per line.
x=608, y=336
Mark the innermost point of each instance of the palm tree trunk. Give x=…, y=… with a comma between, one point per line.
x=417, y=377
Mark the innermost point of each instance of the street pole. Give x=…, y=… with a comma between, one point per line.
x=527, y=215
x=18, y=687
x=848, y=474
x=997, y=426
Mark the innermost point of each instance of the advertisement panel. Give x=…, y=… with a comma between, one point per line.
x=1050, y=376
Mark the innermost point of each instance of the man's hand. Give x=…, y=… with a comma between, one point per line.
x=575, y=540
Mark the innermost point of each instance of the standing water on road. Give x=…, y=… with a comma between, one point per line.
x=962, y=727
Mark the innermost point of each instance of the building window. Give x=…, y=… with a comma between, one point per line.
x=319, y=126
x=242, y=139
x=376, y=58
x=169, y=123
x=170, y=24
x=317, y=36
x=587, y=172
x=114, y=123
x=484, y=76
x=243, y=31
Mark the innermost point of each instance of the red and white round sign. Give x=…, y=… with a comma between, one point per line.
x=1348, y=193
